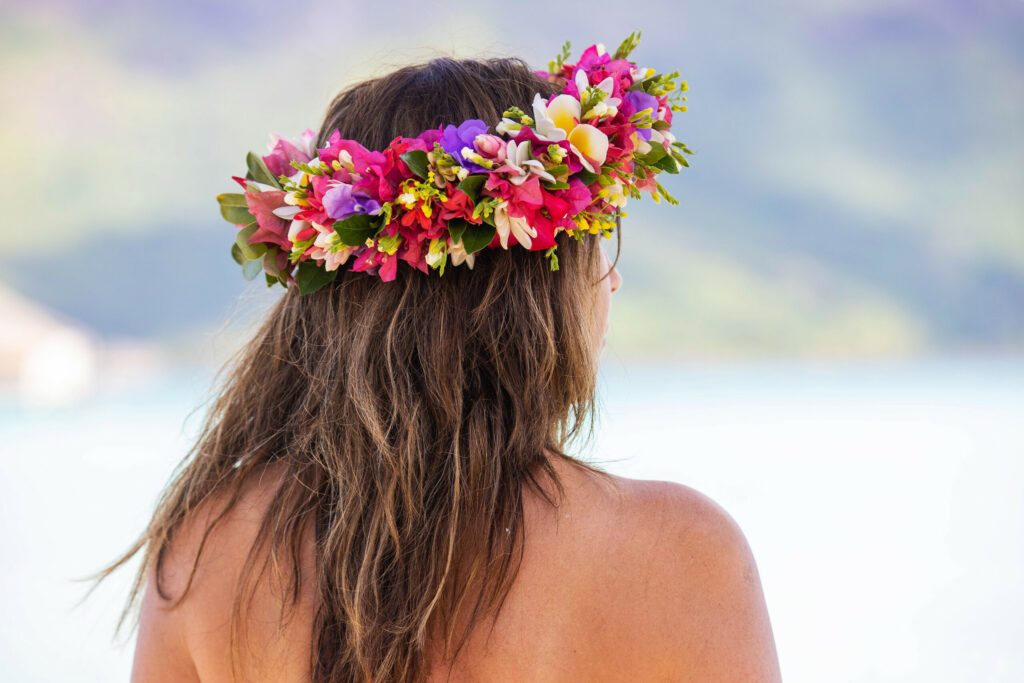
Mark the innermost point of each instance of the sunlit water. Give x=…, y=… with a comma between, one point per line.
x=883, y=503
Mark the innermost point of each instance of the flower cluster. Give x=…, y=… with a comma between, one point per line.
x=442, y=196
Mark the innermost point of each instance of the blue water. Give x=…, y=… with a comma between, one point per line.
x=882, y=501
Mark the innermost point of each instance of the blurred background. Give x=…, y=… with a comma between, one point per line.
x=826, y=337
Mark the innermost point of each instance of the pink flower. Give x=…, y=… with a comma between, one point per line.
x=378, y=263
x=490, y=147
x=355, y=161
x=528, y=193
x=578, y=195
x=411, y=251
x=271, y=228
x=283, y=151
x=544, y=219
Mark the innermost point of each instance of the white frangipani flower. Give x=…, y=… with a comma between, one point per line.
x=550, y=118
x=517, y=159
x=582, y=83
x=457, y=253
x=608, y=106
x=559, y=120
x=590, y=146
x=515, y=225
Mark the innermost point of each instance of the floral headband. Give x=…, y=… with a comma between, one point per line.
x=451, y=191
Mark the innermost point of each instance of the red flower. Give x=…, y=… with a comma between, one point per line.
x=458, y=205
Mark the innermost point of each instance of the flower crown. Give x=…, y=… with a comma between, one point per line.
x=451, y=191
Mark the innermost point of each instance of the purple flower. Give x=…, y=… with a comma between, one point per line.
x=638, y=101
x=341, y=202
x=454, y=139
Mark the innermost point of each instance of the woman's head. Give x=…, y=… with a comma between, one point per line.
x=445, y=90
x=411, y=414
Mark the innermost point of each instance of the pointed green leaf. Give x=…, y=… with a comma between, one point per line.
x=238, y=215
x=627, y=46
x=250, y=269
x=270, y=262
x=476, y=237
x=416, y=160
x=653, y=156
x=558, y=170
x=471, y=185
x=311, y=277
x=667, y=163
x=236, y=254
x=456, y=227
x=232, y=199
x=356, y=229
x=678, y=156
x=249, y=251
x=259, y=172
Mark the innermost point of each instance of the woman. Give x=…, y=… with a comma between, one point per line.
x=381, y=491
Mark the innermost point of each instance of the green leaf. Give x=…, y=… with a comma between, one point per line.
x=627, y=46
x=667, y=163
x=587, y=177
x=416, y=160
x=653, y=156
x=471, y=185
x=456, y=227
x=232, y=199
x=239, y=215
x=270, y=262
x=555, y=65
x=356, y=229
x=557, y=170
x=311, y=277
x=250, y=269
x=558, y=185
x=259, y=172
x=249, y=251
x=476, y=237
x=236, y=254
x=678, y=156
x=665, y=193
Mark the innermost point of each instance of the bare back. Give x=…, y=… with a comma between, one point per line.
x=626, y=581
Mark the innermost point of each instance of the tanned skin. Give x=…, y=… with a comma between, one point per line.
x=627, y=580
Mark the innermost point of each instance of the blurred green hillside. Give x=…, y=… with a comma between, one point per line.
x=856, y=188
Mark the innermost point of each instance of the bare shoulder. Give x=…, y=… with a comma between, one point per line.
x=200, y=580
x=690, y=585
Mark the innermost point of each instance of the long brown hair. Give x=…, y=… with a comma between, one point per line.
x=410, y=416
